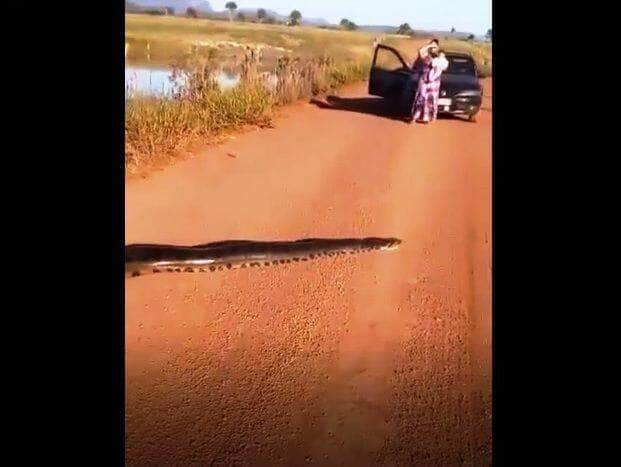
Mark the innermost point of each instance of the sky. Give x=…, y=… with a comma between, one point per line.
x=473, y=16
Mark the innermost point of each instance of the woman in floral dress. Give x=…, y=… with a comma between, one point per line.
x=431, y=63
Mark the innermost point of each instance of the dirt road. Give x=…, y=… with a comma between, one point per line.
x=380, y=358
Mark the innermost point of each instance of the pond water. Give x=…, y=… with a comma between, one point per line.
x=158, y=82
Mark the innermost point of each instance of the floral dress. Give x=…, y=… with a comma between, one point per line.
x=425, y=106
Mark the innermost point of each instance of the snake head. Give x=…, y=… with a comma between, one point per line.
x=392, y=244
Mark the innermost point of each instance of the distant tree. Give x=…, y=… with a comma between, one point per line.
x=261, y=14
x=191, y=13
x=295, y=18
x=170, y=11
x=270, y=20
x=241, y=16
x=156, y=12
x=350, y=25
x=231, y=6
x=405, y=30
x=470, y=37
x=452, y=30
x=489, y=34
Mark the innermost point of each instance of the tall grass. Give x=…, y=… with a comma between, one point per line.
x=199, y=109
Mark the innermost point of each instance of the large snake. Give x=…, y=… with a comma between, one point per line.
x=143, y=259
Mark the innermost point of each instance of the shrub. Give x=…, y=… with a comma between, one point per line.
x=405, y=30
x=349, y=25
x=295, y=18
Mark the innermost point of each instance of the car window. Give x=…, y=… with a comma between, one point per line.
x=460, y=66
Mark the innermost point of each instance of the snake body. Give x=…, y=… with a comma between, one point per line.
x=141, y=259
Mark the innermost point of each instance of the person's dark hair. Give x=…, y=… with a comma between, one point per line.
x=436, y=41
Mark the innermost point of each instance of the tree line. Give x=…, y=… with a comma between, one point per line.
x=294, y=18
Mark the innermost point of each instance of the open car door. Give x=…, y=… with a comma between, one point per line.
x=389, y=73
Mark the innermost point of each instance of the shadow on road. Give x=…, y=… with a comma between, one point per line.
x=366, y=105
x=372, y=106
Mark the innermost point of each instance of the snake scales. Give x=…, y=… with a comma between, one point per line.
x=143, y=259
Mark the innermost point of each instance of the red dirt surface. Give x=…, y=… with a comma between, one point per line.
x=379, y=358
